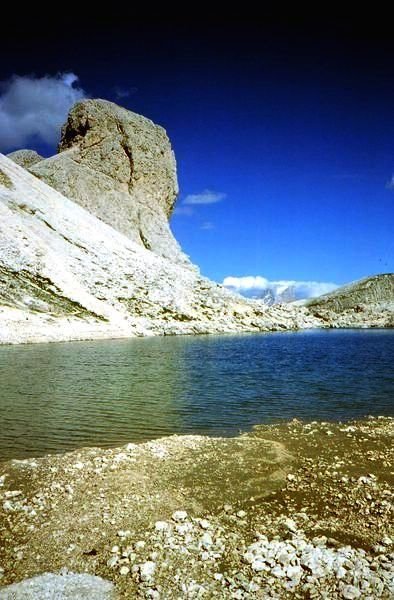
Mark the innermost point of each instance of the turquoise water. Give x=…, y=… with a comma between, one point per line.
x=56, y=397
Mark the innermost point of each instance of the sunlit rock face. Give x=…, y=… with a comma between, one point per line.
x=121, y=168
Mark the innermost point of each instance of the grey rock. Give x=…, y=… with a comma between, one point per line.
x=25, y=158
x=71, y=586
x=121, y=168
x=368, y=302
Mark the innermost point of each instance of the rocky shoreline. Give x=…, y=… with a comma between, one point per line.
x=299, y=510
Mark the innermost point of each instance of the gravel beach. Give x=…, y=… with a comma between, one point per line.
x=301, y=510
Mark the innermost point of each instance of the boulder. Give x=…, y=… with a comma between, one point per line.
x=70, y=586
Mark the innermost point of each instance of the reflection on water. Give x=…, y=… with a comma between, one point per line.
x=55, y=397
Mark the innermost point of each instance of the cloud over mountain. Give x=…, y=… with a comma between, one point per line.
x=34, y=108
x=277, y=291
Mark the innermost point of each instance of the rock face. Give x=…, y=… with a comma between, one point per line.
x=65, y=274
x=366, y=303
x=25, y=158
x=121, y=168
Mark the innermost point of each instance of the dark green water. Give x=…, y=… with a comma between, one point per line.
x=56, y=397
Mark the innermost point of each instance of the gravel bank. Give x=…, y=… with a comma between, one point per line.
x=300, y=510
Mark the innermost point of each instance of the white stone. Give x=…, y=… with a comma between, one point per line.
x=206, y=541
x=179, y=515
x=204, y=524
x=147, y=570
x=258, y=565
x=161, y=526
x=290, y=525
x=349, y=592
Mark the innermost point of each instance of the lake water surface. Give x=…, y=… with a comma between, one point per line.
x=56, y=397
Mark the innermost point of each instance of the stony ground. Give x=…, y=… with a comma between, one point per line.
x=293, y=510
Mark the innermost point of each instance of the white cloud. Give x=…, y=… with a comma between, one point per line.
x=186, y=211
x=257, y=287
x=390, y=184
x=205, y=197
x=207, y=225
x=35, y=108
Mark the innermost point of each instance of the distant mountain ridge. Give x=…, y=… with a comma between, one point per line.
x=369, y=300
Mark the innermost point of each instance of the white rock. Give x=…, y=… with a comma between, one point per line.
x=293, y=571
x=12, y=494
x=290, y=525
x=258, y=565
x=204, y=524
x=179, y=515
x=386, y=541
x=147, y=570
x=161, y=526
x=206, y=541
x=349, y=592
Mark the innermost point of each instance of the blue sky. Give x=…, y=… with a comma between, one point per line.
x=289, y=127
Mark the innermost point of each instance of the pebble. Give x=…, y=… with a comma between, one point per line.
x=349, y=592
x=204, y=524
x=111, y=562
x=12, y=493
x=161, y=525
x=147, y=570
x=179, y=515
x=258, y=565
x=290, y=525
x=206, y=541
x=241, y=514
x=124, y=570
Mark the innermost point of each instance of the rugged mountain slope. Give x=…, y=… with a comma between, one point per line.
x=87, y=251
x=64, y=274
x=120, y=167
x=368, y=302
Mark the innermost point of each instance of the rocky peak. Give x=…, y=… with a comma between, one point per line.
x=120, y=166
x=127, y=147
